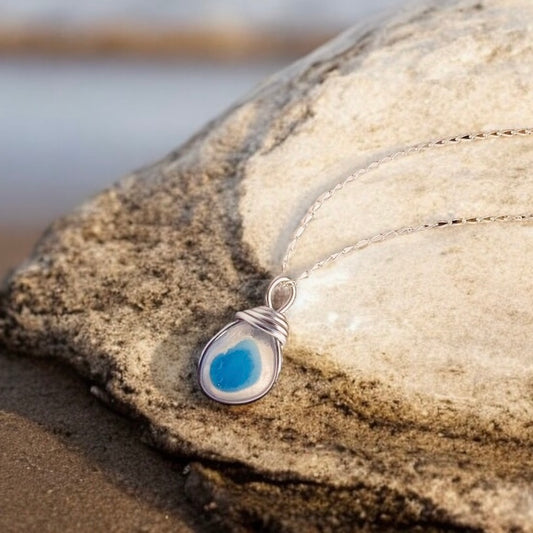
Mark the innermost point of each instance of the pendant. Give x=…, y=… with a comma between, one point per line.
x=241, y=363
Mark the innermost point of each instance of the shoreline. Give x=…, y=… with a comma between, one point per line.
x=222, y=44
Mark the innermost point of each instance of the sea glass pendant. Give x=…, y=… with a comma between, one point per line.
x=241, y=363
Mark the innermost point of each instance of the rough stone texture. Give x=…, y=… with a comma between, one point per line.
x=406, y=398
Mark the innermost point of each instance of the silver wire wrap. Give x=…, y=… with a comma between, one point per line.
x=281, y=283
x=268, y=320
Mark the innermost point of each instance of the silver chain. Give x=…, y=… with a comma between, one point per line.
x=386, y=235
x=380, y=237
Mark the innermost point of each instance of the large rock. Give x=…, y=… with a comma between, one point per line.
x=406, y=398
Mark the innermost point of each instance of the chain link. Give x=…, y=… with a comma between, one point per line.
x=386, y=235
x=380, y=237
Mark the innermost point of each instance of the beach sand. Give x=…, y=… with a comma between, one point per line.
x=67, y=463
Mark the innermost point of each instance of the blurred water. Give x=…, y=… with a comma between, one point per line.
x=70, y=128
x=298, y=14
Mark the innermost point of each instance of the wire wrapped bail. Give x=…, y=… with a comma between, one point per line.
x=269, y=318
x=281, y=283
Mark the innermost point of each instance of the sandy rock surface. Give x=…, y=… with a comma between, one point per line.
x=406, y=396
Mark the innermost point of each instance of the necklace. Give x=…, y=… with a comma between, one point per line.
x=241, y=363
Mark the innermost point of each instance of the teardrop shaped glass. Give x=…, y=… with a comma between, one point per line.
x=240, y=364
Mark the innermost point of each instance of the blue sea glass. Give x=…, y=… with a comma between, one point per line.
x=238, y=368
x=239, y=364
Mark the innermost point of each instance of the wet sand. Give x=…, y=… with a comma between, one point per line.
x=67, y=463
